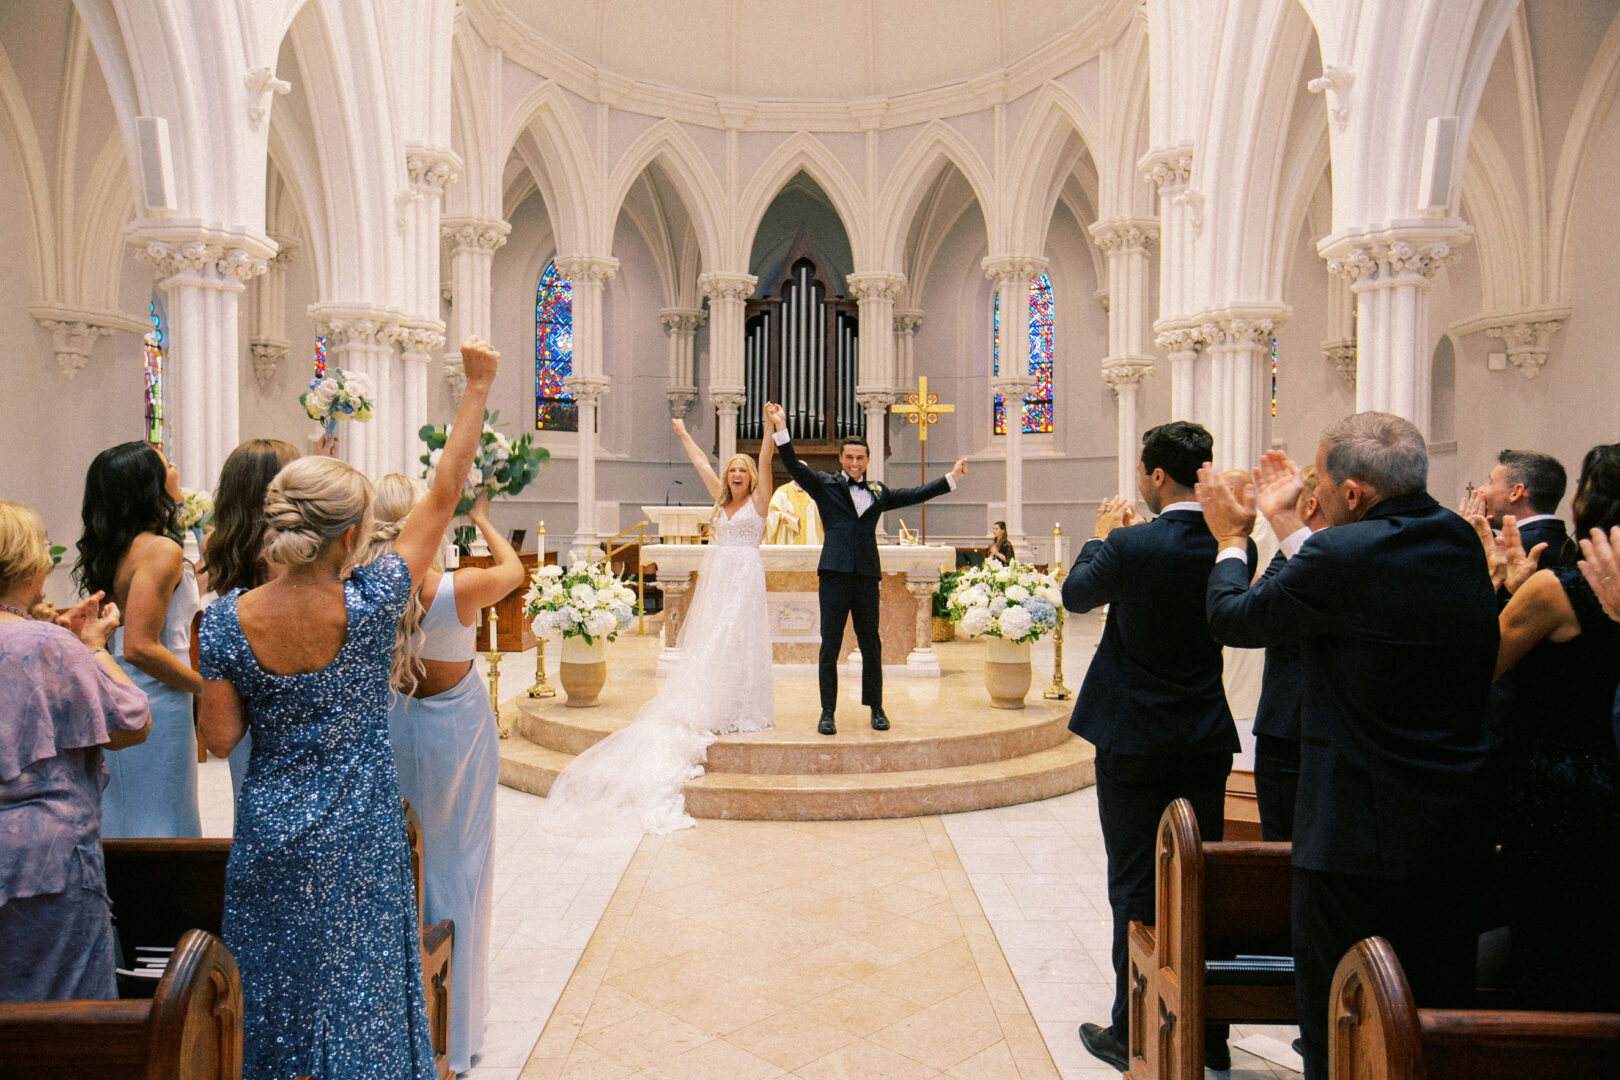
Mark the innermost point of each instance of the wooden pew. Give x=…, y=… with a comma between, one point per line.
x=191, y=1029
x=1376, y=1032
x=162, y=888
x=1213, y=902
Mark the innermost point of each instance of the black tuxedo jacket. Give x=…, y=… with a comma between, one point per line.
x=1398, y=626
x=1561, y=547
x=1282, y=687
x=1154, y=686
x=850, y=544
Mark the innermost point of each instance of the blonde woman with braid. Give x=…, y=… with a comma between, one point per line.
x=443, y=733
x=320, y=913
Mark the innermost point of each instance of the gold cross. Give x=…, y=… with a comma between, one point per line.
x=922, y=408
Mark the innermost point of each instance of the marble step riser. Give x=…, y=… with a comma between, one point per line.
x=713, y=800
x=797, y=759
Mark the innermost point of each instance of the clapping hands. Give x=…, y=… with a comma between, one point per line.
x=1511, y=566
x=1230, y=520
x=1601, y=567
x=1116, y=513
x=91, y=621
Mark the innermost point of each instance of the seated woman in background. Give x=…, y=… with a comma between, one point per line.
x=1561, y=839
x=1001, y=549
x=442, y=728
x=62, y=702
x=126, y=553
x=234, y=553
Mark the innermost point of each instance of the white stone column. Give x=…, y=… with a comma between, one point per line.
x=267, y=322
x=1011, y=273
x=923, y=660
x=1180, y=344
x=473, y=243
x=674, y=584
x=417, y=345
x=1126, y=243
x=906, y=325
x=1339, y=347
x=680, y=332
x=874, y=294
x=362, y=339
x=1239, y=348
x=1169, y=169
x=202, y=276
x=588, y=275
x=728, y=295
x=1389, y=271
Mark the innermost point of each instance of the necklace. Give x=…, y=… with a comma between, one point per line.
x=19, y=612
x=305, y=584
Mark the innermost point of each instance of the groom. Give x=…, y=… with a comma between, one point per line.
x=849, y=571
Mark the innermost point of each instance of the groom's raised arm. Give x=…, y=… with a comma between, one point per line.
x=896, y=498
x=807, y=477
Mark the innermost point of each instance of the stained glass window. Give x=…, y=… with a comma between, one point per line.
x=1273, y=376
x=554, y=407
x=157, y=344
x=1038, y=402
x=320, y=356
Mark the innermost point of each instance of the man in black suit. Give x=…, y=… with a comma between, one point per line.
x=1397, y=620
x=1529, y=486
x=1152, y=702
x=849, y=572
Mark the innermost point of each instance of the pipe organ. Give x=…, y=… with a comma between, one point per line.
x=800, y=350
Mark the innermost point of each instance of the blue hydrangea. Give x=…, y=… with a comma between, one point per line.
x=1041, y=613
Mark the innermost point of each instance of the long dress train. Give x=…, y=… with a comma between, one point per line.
x=631, y=781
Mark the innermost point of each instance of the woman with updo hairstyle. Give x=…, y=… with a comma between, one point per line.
x=127, y=552
x=320, y=908
x=63, y=702
x=234, y=552
x=1557, y=674
x=442, y=729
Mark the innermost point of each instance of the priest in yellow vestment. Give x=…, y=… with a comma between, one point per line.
x=792, y=518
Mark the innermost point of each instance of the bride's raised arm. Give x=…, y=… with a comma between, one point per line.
x=699, y=460
x=767, y=485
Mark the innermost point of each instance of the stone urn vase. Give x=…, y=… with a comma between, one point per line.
x=1006, y=672
x=583, y=671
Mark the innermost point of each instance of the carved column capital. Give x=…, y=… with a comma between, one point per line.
x=875, y=286
x=267, y=356
x=588, y=389
x=1526, y=342
x=874, y=397
x=1254, y=329
x=286, y=249
x=1342, y=355
x=418, y=341
x=682, y=320
x=1168, y=169
x=430, y=169
x=908, y=322
x=208, y=263
x=681, y=399
x=1125, y=235
x=999, y=268
x=341, y=325
x=473, y=234
x=73, y=337
x=1179, y=339
x=1126, y=372
x=720, y=285
x=598, y=268
x=727, y=399
x=1393, y=256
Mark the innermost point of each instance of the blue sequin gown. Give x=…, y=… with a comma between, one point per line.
x=320, y=911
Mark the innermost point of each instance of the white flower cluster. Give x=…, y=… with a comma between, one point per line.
x=1014, y=602
x=587, y=601
x=500, y=467
x=339, y=395
x=196, y=510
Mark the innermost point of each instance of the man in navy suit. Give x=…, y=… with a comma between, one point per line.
x=849, y=572
x=1529, y=486
x=1397, y=620
x=1152, y=702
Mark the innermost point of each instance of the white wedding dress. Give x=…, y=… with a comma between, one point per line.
x=631, y=780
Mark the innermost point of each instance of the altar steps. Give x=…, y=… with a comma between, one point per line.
x=938, y=759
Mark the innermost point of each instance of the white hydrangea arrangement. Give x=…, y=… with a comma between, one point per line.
x=196, y=511
x=1013, y=602
x=502, y=466
x=585, y=601
x=338, y=395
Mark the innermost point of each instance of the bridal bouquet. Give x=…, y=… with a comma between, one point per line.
x=196, y=511
x=502, y=466
x=338, y=395
x=1013, y=602
x=585, y=601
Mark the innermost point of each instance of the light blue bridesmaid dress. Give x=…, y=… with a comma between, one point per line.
x=152, y=788
x=448, y=759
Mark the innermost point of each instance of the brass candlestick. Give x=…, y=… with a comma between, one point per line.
x=493, y=658
x=1057, y=691
x=541, y=688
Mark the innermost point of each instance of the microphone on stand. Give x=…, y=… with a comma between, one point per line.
x=672, y=484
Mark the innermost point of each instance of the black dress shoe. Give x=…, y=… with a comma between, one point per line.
x=1217, y=1055
x=879, y=721
x=1104, y=1045
x=827, y=727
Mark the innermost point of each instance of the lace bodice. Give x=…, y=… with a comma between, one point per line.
x=743, y=530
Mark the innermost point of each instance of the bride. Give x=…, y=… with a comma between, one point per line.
x=631, y=780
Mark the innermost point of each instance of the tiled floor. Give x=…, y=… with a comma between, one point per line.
x=967, y=946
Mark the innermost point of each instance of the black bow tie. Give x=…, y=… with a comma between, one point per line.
x=862, y=484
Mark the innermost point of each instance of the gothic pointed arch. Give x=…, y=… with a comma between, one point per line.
x=1043, y=156
x=668, y=145
x=554, y=148
x=934, y=149
x=801, y=152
